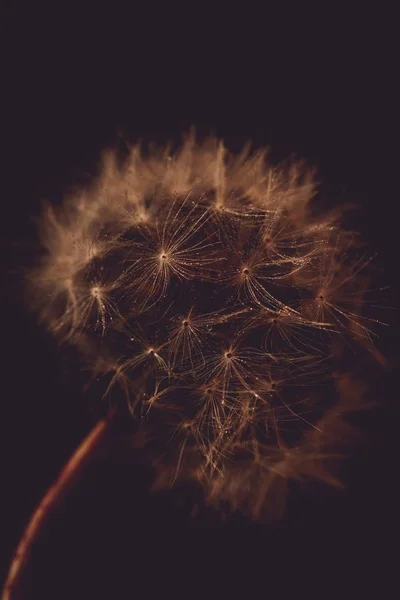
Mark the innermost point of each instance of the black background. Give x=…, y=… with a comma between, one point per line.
x=319, y=86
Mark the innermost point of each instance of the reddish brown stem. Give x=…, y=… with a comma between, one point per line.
x=48, y=502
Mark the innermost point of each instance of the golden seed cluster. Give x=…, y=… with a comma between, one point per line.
x=204, y=287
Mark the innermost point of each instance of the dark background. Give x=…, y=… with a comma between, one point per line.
x=319, y=86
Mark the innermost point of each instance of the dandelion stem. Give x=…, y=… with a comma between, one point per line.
x=48, y=502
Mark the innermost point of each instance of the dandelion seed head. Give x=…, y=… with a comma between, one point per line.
x=272, y=296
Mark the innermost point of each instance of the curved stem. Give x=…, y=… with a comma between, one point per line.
x=47, y=503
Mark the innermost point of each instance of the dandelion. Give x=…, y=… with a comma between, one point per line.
x=229, y=292
x=222, y=303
